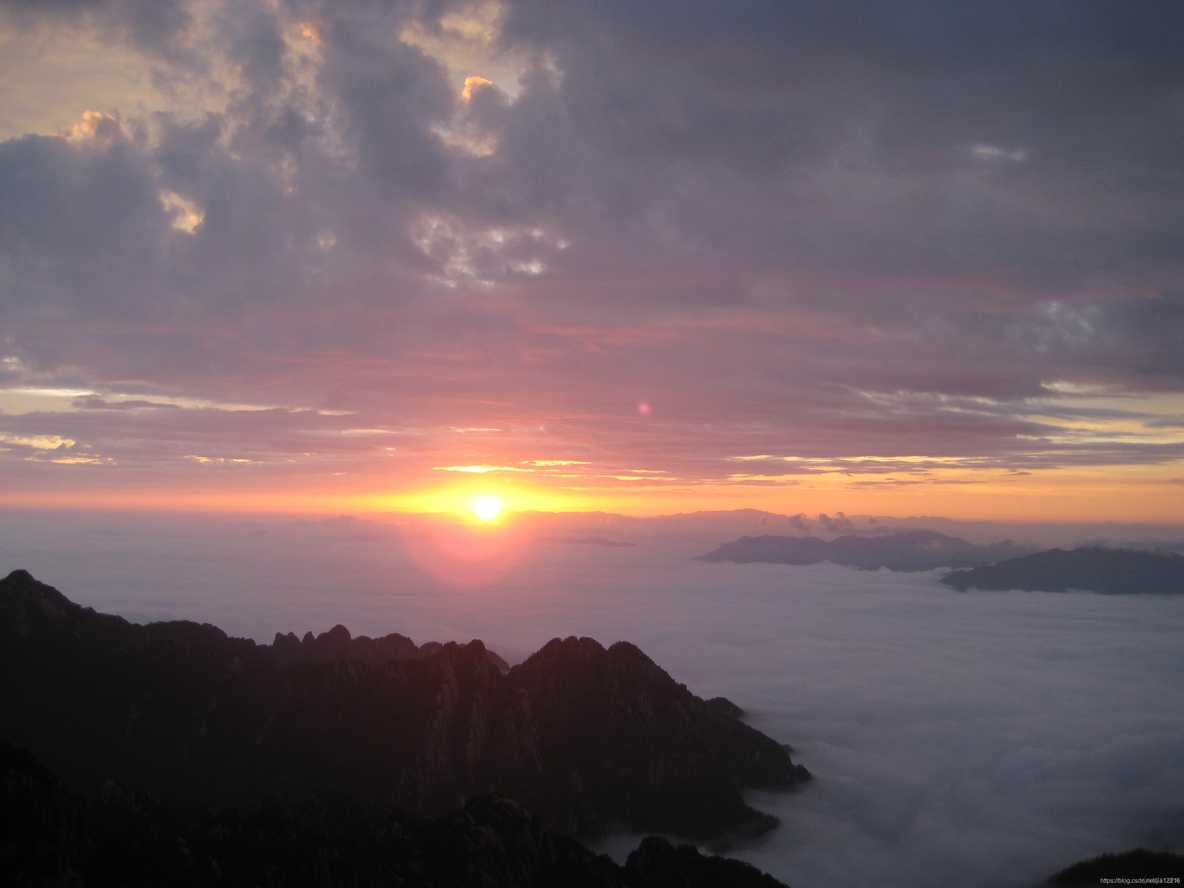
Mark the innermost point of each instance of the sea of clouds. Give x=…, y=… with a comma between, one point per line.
x=973, y=739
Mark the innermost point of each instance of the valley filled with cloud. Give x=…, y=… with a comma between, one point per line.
x=984, y=739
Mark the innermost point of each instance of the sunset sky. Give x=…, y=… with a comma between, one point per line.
x=645, y=257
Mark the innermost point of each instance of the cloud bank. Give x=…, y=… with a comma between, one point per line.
x=975, y=739
x=888, y=244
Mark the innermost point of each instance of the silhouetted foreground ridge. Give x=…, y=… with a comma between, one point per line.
x=1091, y=569
x=49, y=837
x=584, y=737
x=1129, y=865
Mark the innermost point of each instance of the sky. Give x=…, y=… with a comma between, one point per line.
x=912, y=258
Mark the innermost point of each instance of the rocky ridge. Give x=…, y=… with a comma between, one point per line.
x=586, y=737
x=339, y=644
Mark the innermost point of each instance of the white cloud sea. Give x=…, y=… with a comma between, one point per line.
x=971, y=739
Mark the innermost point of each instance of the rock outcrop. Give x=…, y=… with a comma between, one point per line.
x=585, y=737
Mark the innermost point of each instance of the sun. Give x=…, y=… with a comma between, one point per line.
x=487, y=507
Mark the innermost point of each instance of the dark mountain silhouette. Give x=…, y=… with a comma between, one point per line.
x=338, y=644
x=51, y=836
x=590, y=541
x=585, y=737
x=910, y=550
x=1092, y=569
x=1137, y=864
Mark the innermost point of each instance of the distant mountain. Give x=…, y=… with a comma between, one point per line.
x=54, y=837
x=589, y=541
x=694, y=530
x=583, y=736
x=910, y=550
x=1091, y=569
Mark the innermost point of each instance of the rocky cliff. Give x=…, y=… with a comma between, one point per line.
x=586, y=737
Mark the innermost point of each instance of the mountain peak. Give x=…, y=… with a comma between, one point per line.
x=582, y=735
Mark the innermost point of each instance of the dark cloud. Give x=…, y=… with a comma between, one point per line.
x=83, y=228
x=252, y=35
x=390, y=94
x=883, y=137
x=904, y=231
x=156, y=27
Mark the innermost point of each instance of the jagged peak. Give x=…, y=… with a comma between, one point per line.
x=571, y=644
x=337, y=633
x=22, y=585
x=627, y=648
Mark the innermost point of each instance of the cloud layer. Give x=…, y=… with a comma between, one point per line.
x=972, y=739
x=895, y=243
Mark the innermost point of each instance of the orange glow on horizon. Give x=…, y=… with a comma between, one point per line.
x=1076, y=495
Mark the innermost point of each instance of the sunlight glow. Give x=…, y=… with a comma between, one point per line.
x=487, y=507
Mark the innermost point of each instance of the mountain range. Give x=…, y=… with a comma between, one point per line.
x=587, y=738
x=1090, y=569
x=909, y=550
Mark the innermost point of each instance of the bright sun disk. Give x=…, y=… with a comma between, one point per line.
x=487, y=507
